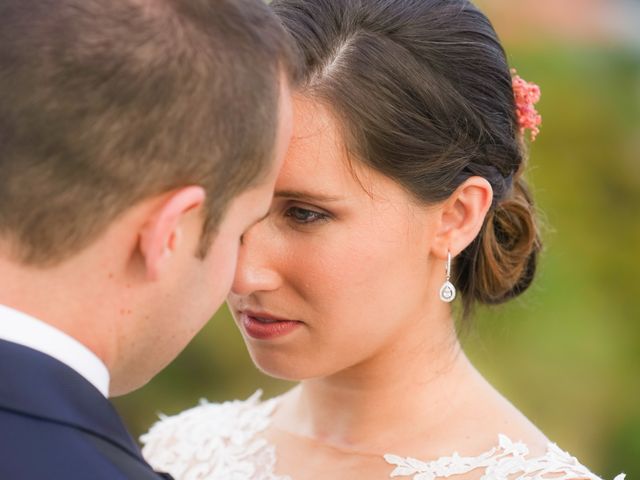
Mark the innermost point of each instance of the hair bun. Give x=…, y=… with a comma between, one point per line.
x=510, y=246
x=501, y=262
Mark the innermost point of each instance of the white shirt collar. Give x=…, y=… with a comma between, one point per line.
x=18, y=327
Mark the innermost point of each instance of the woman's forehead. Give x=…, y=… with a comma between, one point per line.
x=316, y=155
x=319, y=163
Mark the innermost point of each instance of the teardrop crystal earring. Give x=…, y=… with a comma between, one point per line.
x=448, y=291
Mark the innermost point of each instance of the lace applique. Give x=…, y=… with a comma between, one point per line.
x=215, y=442
x=507, y=461
x=222, y=442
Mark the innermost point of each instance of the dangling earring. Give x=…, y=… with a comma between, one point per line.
x=448, y=291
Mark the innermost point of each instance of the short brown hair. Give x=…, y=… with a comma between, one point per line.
x=424, y=94
x=105, y=103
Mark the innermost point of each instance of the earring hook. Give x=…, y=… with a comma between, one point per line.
x=448, y=291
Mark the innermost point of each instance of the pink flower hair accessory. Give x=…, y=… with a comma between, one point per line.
x=526, y=94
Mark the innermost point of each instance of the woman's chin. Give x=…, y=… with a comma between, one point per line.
x=283, y=367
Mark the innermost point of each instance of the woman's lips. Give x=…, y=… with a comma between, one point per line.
x=264, y=327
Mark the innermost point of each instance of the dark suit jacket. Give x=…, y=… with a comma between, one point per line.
x=55, y=425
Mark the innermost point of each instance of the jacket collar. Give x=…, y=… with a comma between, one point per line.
x=38, y=385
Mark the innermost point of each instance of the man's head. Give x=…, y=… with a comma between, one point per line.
x=138, y=140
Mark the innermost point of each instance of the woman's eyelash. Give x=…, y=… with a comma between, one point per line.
x=305, y=215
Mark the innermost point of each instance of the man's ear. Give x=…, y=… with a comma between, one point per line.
x=161, y=234
x=462, y=216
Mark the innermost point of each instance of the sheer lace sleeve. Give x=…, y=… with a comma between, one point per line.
x=224, y=442
x=214, y=442
x=508, y=461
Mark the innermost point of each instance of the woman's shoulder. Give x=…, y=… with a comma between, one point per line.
x=231, y=419
x=209, y=434
x=507, y=460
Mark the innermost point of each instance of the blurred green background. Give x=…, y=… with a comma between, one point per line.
x=568, y=352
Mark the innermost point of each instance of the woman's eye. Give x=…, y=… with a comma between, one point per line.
x=303, y=215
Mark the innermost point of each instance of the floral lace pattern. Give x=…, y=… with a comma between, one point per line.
x=507, y=461
x=214, y=442
x=222, y=442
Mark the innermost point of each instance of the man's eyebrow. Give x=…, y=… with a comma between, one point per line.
x=306, y=196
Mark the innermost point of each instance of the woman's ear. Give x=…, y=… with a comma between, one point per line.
x=462, y=216
x=162, y=233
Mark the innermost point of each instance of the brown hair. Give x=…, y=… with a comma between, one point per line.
x=424, y=93
x=106, y=103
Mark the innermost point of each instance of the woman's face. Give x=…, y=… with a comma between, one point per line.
x=340, y=272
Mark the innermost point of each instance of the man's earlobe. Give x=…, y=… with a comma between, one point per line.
x=162, y=233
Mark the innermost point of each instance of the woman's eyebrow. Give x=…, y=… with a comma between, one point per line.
x=306, y=196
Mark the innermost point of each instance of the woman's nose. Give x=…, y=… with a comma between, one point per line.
x=257, y=269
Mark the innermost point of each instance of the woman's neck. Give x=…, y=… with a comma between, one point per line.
x=401, y=393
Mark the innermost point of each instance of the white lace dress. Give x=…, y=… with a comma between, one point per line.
x=221, y=441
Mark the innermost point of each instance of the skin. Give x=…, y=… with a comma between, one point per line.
x=359, y=263
x=138, y=294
